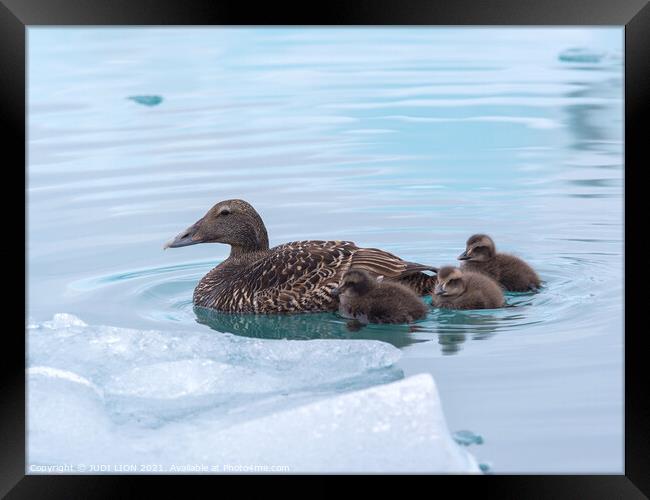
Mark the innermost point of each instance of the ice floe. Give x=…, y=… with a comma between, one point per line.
x=106, y=396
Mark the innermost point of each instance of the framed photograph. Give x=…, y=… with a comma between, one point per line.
x=384, y=239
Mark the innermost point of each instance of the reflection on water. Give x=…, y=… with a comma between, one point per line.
x=451, y=328
x=302, y=327
x=591, y=124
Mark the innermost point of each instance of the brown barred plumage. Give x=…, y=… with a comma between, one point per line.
x=294, y=277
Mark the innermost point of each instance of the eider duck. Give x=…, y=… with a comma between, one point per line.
x=293, y=277
x=511, y=272
x=365, y=299
x=461, y=289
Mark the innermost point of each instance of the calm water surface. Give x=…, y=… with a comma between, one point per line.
x=408, y=140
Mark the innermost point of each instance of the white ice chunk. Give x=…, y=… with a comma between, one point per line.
x=47, y=371
x=196, y=377
x=109, y=395
x=66, y=418
x=393, y=427
x=63, y=320
x=112, y=355
x=396, y=427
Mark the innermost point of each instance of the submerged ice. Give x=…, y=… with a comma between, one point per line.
x=146, y=100
x=100, y=394
x=581, y=55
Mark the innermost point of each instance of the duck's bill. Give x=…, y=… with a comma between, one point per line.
x=186, y=238
x=463, y=256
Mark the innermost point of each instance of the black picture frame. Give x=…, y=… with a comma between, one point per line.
x=18, y=15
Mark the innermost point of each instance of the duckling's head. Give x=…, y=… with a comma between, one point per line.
x=233, y=222
x=479, y=248
x=450, y=282
x=355, y=282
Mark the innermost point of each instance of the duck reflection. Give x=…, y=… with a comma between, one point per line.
x=598, y=126
x=304, y=327
x=453, y=327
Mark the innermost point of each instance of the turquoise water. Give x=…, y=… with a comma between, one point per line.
x=409, y=140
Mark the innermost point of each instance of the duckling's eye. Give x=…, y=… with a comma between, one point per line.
x=225, y=211
x=452, y=281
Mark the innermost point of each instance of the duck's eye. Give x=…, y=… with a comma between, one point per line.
x=225, y=211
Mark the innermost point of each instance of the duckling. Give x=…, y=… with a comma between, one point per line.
x=365, y=299
x=511, y=272
x=461, y=289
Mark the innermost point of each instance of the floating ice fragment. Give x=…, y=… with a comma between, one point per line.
x=48, y=371
x=150, y=376
x=581, y=55
x=146, y=100
x=109, y=395
x=66, y=418
x=467, y=438
x=150, y=362
x=396, y=427
x=62, y=321
x=192, y=377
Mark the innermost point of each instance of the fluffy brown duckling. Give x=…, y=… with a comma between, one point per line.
x=461, y=289
x=365, y=299
x=511, y=272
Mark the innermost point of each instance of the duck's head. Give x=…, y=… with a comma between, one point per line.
x=232, y=222
x=450, y=282
x=479, y=248
x=356, y=282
